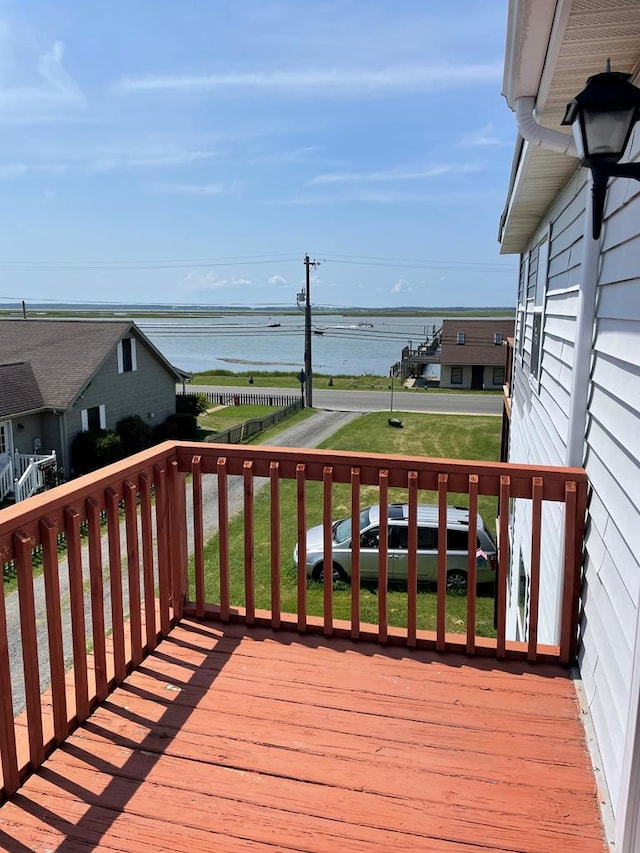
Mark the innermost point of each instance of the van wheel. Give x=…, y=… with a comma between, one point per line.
x=338, y=573
x=456, y=581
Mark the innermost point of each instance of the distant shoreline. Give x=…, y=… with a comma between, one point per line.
x=35, y=311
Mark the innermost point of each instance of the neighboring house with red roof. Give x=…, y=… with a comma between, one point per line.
x=473, y=355
x=60, y=377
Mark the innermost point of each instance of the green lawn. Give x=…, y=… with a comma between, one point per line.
x=225, y=417
x=289, y=382
x=426, y=435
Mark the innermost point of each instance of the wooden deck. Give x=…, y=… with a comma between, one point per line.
x=235, y=739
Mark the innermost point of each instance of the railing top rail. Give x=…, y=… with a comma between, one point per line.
x=379, y=461
x=52, y=503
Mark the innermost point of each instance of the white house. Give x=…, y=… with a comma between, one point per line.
x=575, y=395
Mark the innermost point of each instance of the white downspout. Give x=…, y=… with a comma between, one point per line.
x=536, y=134
x=585, y=320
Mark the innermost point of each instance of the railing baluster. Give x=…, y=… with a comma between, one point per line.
x=115, y=582
x=249, y=544
x=8, y=750
x=570, y=591
x=49, y=536
x=472, y=563
x=383, y=555
x=355, y=553
x=198, y=534
x=162, y=532
x=223, y=538
x=441, y=600
x=302, y=546
x=503, y=565
x=96, y=582
x=149, y=584
x=76, y=599
x=534, y=593
x=133, y=569
x=412, y=571
x=327, y=551
x=177, y=537
x=22, y=549
x=274, y=482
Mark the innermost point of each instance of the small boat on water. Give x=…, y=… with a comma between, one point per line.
x=364, y=325
x=318, y=332
x=274, y=325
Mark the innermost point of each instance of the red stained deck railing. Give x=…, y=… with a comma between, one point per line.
x=129, y=578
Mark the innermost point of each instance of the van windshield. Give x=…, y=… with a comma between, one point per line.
x=342, y=529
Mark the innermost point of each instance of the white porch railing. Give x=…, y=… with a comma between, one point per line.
x=6, y=480
x=29, y=471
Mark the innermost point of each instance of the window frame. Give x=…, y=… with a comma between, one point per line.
x=127, y=356
x=85, y=417
x=457, y=367
x=460, y=338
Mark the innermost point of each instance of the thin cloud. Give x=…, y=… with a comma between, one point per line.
x=485, y=137
x=55, y=96
x=382, y=176
x=149, y=160
x=277, y=279
x=323, y=82
x=401, y=286
x=191, y=189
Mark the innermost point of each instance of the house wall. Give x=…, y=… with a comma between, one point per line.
x=148, y=392
x=445, y=377
x=539, y=434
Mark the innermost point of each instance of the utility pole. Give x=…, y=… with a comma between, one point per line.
x=307, y=329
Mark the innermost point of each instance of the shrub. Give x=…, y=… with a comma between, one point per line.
x=191, y=404
x=181, y=426
x=91, y=450
x=135, y=434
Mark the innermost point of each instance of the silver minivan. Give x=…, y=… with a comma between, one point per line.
x=397, y=547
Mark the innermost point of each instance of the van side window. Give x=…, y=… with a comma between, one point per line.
x=398, y=537
x=370, y=538
x=427, y=539
x=457, y=540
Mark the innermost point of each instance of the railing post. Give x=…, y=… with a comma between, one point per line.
x=575, y=507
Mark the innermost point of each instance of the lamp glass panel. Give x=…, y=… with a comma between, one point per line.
x=606, y=132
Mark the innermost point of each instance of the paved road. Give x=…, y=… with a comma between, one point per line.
x=379, y=401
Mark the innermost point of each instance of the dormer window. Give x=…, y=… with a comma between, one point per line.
x=460, y=338
x=497, y=338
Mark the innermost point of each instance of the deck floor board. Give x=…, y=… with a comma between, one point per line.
x=238, y=739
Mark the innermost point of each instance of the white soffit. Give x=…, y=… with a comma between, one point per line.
x=583, y=34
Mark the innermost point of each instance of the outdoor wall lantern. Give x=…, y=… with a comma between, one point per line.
x=602, y=117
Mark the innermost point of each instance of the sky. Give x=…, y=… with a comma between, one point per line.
x=192, y=151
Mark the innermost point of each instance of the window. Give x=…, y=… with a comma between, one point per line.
x=370, y=538
x=498, y=375
x=457, y=540
x=399, y=537
x=3, y=439
x=427, y=538
x=524, y=261
x=497, y=338
x=93, y=419
x=536, y=340
x=127, y=360
x=456, y=375
x=533, y=272
x=460, y=338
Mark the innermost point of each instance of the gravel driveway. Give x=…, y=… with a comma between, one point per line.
x=308, y=433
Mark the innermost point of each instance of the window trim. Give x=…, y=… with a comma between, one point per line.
x=456, y=367
x=84, y=417
x=120, y=355
x=460, y=336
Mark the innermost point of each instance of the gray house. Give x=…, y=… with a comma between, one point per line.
x=59, y=377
